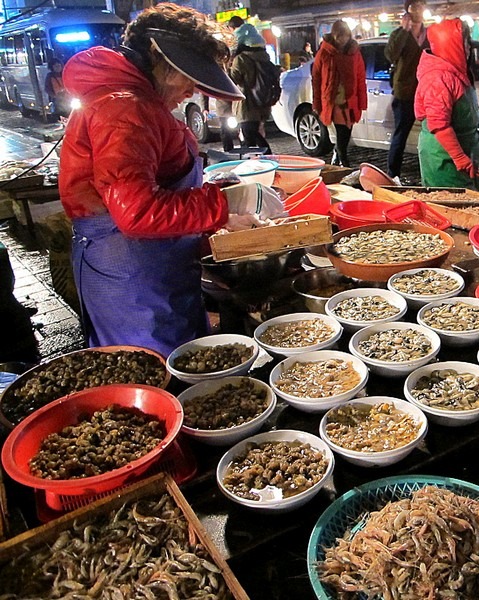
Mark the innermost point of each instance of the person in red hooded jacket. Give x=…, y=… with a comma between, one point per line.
x=446, y=104
x=339, y=86
x=131, y=180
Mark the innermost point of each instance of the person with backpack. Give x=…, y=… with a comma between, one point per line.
x=258, y=79
x=339, y=86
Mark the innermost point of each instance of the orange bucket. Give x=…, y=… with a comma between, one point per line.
x=313, y=198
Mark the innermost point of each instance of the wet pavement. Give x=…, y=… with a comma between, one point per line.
x=57, y=325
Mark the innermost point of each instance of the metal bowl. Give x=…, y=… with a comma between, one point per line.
x=321, y=279
x=253, y=272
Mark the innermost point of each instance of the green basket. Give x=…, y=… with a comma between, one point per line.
x=346, y=512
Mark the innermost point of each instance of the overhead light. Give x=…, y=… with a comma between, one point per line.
x=276, y=31
x=427, y=14
x=73, y=36
x=469, y=20
x=383, y=17
x=366, y=25
x=351, y=23
x=437, y=19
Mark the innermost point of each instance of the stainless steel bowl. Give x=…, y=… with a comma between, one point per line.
x=257, y=272
x=322, y=279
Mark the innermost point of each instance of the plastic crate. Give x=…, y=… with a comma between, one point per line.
x=417, y=213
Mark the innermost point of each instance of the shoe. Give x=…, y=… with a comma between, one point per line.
x=396, y=180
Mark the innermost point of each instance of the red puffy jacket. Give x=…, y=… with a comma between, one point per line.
x=332, y=67
x=123, y=149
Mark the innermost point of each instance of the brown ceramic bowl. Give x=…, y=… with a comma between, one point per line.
x=371, y=176
x=382, y=272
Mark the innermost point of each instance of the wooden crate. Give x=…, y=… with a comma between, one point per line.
x=334, y=174
x=22, y=183
x=153, y=487
x=459, y=215
x=292, y=232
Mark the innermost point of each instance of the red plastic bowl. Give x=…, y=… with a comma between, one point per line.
x=356, y=213
x=24, y=441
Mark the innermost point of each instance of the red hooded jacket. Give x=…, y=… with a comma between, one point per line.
x=442, y=75
x=123, y=149
x=332, y=67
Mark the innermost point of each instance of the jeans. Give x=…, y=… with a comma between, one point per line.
x=252, y=136
x=404, y=118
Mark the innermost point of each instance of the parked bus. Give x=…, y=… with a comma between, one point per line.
x=28, y=43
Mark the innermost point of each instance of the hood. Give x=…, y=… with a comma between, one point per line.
x=248, y=35
x=100, y=67
x=328, y=43
x=447, y=42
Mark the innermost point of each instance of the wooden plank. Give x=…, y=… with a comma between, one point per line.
x=334, y=174
x=154, y=486
x=22, y=183
x=292, y=232
x=459, y=217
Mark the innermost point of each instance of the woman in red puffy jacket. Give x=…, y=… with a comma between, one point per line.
x=339, y=86
x=131, y=180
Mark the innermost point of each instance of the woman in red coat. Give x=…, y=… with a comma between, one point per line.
x=339, y=86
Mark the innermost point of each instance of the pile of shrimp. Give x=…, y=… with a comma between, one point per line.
x=146, y=550
x=425, y=547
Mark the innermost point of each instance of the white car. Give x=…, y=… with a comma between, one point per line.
x=190, y=112
x=293, y=113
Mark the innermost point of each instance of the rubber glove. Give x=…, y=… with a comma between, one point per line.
x=448, y=140
x=254, y=199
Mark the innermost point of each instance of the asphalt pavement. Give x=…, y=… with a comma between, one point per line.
x=57, y=325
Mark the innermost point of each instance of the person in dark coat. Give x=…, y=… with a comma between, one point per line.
x=403, y=50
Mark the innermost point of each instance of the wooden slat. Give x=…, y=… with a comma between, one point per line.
x=293, y=232
x=459, y=217
x=155, y=485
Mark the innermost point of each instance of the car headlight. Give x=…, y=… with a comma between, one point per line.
x=232, y=122
x=75, y=103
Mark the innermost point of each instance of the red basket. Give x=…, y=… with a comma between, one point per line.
x=313, y=198
x=25, y=440
x=177, y=460
x=418, y=213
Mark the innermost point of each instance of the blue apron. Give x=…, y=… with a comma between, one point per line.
x=139, y=292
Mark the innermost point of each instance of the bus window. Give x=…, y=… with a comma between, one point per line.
x=20, y=50
x=67, y=41
x=39, y=43
x=10, y=50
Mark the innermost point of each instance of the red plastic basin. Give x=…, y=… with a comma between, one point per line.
x=355, y=213
x=24, y=441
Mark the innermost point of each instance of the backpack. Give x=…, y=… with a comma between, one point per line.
x=266, y=89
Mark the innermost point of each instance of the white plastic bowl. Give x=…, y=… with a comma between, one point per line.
x=391, y=368
x=387, y=457
x=224, y=437
x=417, y=301
x=264, y=175
x=309, y=316
x=281, y=505
x=448, y=337
x=451, y=418
x=309, y=404
x=349, y=324
x=221, y=339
